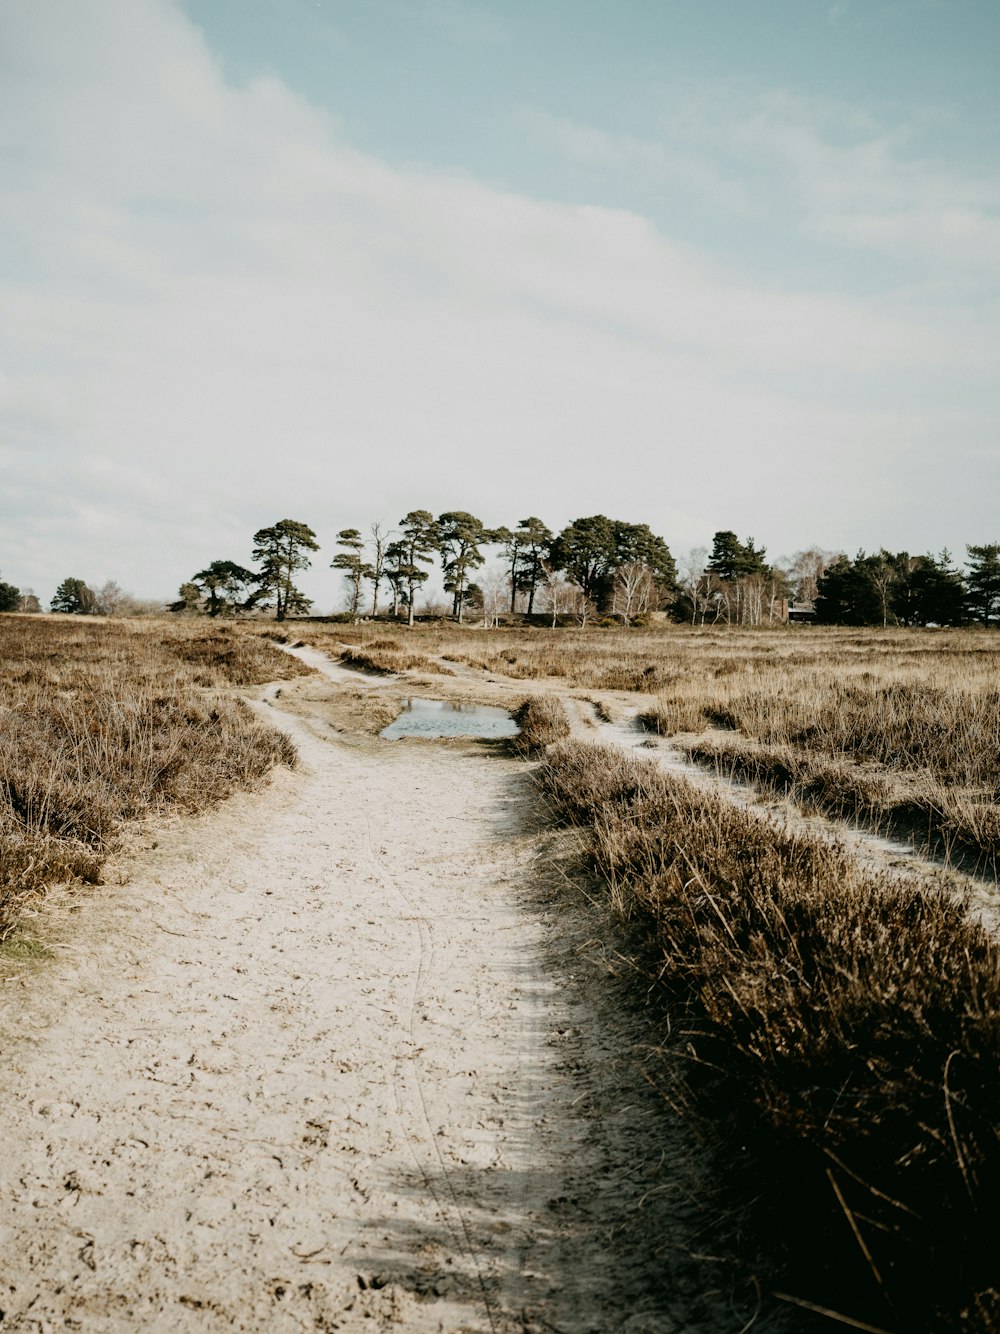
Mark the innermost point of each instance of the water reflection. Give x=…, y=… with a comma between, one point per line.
x=439, y=717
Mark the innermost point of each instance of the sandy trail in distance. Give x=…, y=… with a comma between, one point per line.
x=331, y=1060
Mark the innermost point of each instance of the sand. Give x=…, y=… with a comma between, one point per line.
x=339, y=1055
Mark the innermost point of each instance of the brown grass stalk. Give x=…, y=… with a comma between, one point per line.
x=838, y=1004
x=103, y=724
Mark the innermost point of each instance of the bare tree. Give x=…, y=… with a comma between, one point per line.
x=495, y=587
x=379, y=544
x=109, y=599
x=634, y=590
x=552, y=591
x=694, y=582
x=805, y=570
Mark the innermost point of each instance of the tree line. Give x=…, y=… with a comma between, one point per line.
x=594, y=567
x=736, y=585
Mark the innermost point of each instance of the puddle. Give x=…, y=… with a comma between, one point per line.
x=438, y=717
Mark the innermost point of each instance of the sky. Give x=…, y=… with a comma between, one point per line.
x=700, y=264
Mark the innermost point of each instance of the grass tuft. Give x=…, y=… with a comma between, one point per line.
x=542, y=720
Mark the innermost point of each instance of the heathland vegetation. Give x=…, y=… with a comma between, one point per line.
x=104, y=723
x=840, y=1025
x=835, y=1018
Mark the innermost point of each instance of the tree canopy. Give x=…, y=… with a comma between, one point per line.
x=356, y=569
x=885, y=588
x=461, y=537
x=591, y=550
x=420, y=538
x=226, y=586
x=984, y=582
x=282, y=551
x=76, y=597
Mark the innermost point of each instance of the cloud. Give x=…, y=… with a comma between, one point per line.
x=222, y=315
x=829, y=171
x=665, y=160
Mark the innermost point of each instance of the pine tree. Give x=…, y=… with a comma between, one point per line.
x=281, y=550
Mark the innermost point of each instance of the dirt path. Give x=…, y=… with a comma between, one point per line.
x=333, y=1059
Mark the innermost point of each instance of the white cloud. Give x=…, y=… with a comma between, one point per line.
x=667, y=160
x=825, y=169
x=224, y=315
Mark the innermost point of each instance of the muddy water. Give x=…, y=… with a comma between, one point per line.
x=447, y=718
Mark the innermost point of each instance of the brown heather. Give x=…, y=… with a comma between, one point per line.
x=844, y=1026
x=542, y=720
x=102, y=723
x=897, y=728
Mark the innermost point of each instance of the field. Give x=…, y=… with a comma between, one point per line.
x=827, y=1012
x=107, y=722
x=899, y=730
x=840, y=1018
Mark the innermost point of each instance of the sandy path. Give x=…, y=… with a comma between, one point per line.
x=330, y=1060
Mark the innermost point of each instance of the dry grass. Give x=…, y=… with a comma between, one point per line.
x=104, y=723
x=388, y=659
x=898, y=728
x=852, y=1027
x=542, y=721
x=908, y=740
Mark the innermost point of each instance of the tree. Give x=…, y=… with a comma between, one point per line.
x=75, y=597
x=592, y=550
x=379, y=543
x=742, y=583
x=28, y=602
x=983, y=580
x=635, y=542
x=352, y=562
x=883, y=574
x=905, y=589
x=227, y=587
x=634, y=590
x=586, y=551
x=525, y=548
x=460, y=536
x=930, y=591
x=189, y=598
x=731, y=559
x=281, y=551
x=846, y=594
x=419, y=540
x=10, y=597
x=510, y=545
x=559, y=596
x=805, y=570
x=693, y=586
x=395, y=573
x=111, y=599
x=494, y=593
